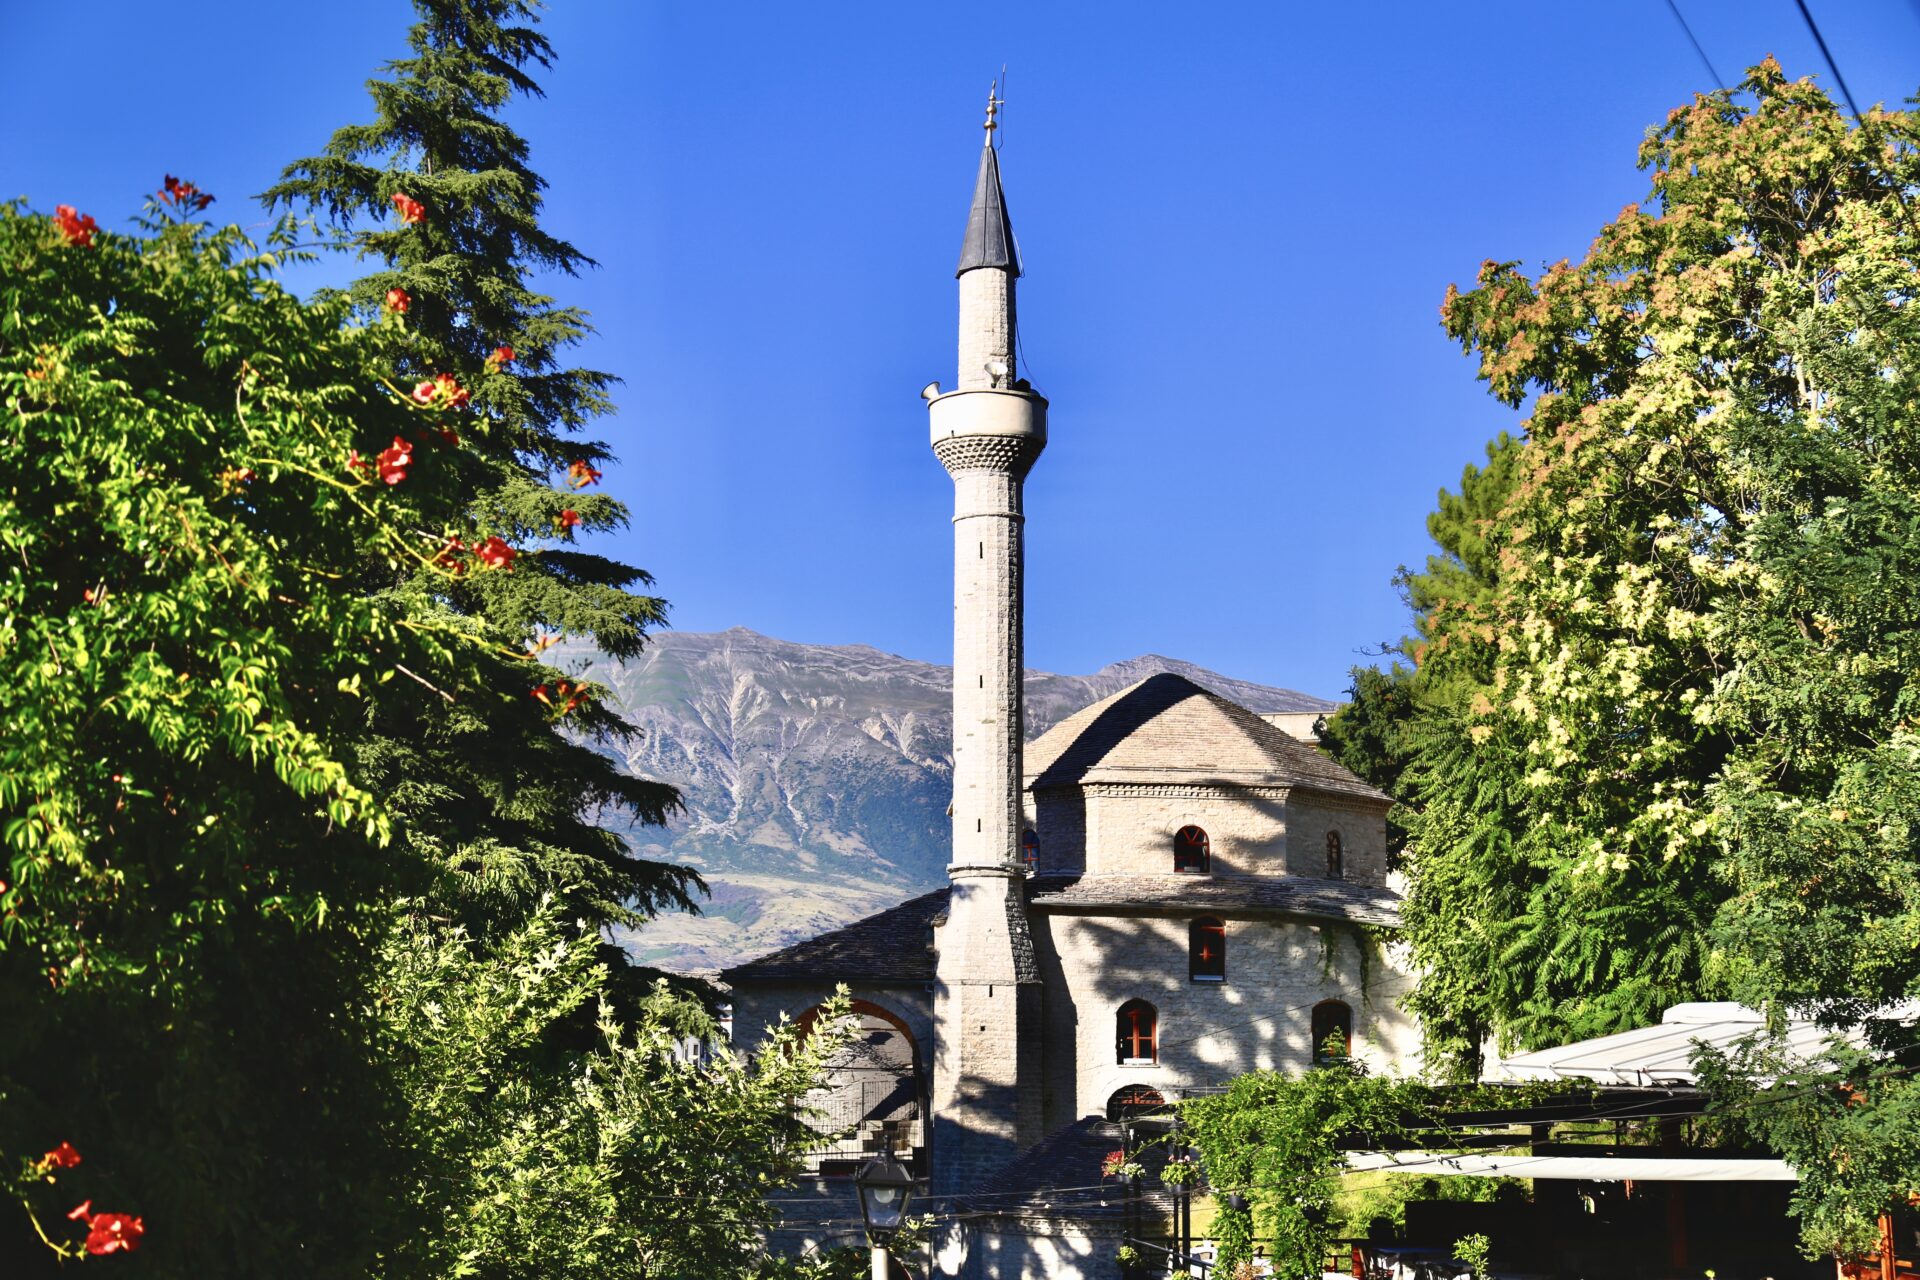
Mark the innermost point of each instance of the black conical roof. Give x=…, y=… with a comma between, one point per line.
x=989, y=241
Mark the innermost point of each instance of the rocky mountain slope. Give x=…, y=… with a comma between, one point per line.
x=816, y=777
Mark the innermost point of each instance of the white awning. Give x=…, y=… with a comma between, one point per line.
x=1651, y=1057
x=1435, y=1164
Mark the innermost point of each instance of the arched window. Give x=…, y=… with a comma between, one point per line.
x=1207, y=950
x=1030, y=849
x=1190, y=851
x=1139, y=1034
x=1332, y=1030
x=1336, y=857
x=1134, y=1100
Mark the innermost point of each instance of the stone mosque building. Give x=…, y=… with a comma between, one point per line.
x=1162, y=892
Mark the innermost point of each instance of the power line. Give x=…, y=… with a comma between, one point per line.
x=1695, y=41
x=1828, y=55
x=1899, y=185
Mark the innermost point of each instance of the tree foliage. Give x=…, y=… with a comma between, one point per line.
x=1663, y=744
x=195, y=877
x=1845, y=1121
x=1277, y=1140
x=437, y=192
x=622, y=1161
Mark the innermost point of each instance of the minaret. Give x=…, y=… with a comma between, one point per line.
x=987, y=434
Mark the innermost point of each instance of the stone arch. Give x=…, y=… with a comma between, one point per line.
x=874, y=1086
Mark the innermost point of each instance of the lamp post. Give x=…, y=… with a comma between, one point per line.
x=885, y=1186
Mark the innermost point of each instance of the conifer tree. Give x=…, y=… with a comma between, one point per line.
x=437, y=190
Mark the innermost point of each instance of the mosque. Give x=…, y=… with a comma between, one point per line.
x=1162, y=892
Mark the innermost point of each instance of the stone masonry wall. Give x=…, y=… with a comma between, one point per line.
x=1209, y=1032
x=1128, y=829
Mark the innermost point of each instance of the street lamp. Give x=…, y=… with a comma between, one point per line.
x=885, y=1186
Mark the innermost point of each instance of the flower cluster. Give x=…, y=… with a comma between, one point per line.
x=398, y=300
x=495, y=554
x=570, y=693
x=184, y=195
x=568, y=519
x=443, y=390
x=77, y=229
x=61, y=1157
x=580, y=474
x=491, y=553
x=409, y=209
x=109, y=1232
x=501, y=357
x=391, y=462
x=394, y=460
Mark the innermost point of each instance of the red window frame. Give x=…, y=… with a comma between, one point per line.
x=1192, y=851
x=1207, y=950
x=1137, y=1027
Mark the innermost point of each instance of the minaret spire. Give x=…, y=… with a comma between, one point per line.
x=987, y=433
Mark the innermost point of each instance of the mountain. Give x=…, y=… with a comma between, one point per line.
x=816, y=777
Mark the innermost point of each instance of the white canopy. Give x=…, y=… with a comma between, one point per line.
x=1662, y=1055
x=1581, y=1168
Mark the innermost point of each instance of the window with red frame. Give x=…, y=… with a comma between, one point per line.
x=1207, y=950
x=1191, y=851
x=1336, y=857
x=1139, y=1034
x=1030, y=849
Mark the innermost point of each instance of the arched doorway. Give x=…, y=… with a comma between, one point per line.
x=872, y=1095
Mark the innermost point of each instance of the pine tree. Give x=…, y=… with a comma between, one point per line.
x=438, y=191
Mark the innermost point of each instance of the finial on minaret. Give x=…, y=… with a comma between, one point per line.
x=994, y=103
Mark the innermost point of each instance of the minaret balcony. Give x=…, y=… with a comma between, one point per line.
x=982, y=411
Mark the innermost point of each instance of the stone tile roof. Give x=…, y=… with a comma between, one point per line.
x=895, y=945
x=1263, y=895
x=1169, y=729
x=1061, y=1173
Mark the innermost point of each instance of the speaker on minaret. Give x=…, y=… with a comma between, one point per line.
x=987, y=433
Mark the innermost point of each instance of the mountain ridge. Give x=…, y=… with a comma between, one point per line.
x=816, y=777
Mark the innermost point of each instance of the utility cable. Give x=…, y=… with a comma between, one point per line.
x=1694, y=40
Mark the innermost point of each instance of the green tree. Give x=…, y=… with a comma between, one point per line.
x=1277, y=1140
x=438, y=192
x=1688, y=765
x=620, y=1161
x=195, y=880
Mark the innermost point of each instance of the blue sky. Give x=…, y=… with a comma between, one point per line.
x=1238, y=222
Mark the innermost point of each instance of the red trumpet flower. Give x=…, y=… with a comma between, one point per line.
x=495, y=554
x=410, y=210
x=395, y=460
x=77, y=229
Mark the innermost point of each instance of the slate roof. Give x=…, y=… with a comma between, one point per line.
x=895, y=945
x=1061, y=1173
x=1169, y=729
x=989, y=241
x=1261, y=895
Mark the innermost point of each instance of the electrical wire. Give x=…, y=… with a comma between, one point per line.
x=1694, y=40
x=1826, y=53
